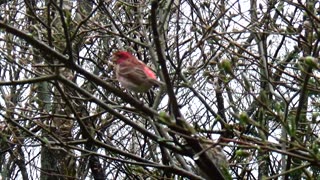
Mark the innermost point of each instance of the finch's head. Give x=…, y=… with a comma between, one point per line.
x=121, y=56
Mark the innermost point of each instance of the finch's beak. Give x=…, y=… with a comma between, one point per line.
x=114, y=59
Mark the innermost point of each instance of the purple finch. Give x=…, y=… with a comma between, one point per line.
x=133, y=74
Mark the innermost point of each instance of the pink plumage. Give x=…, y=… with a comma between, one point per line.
x=132, y=73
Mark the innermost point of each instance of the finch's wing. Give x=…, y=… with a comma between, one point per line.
x=134, y=74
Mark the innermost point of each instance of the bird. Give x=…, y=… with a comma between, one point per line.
x=133, y=74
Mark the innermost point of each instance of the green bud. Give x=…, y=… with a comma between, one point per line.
x=226, y=66
x=242, y=153
x=164, y=118
x=244, y=119
x=311, y=61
